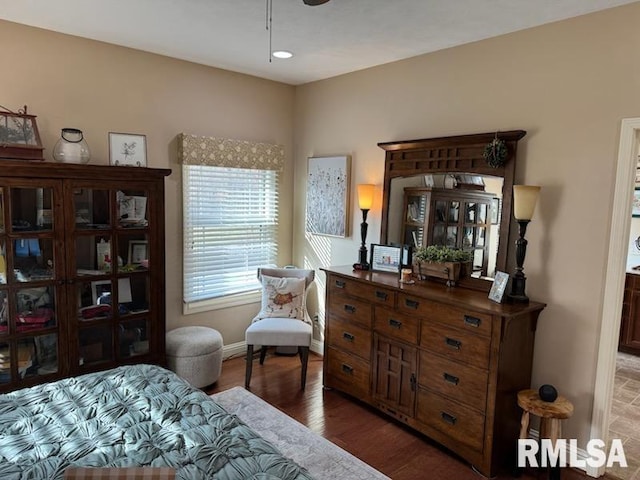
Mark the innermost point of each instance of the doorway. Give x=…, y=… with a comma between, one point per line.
x=614, y=281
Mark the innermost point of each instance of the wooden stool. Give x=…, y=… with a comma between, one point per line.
x=550, y=414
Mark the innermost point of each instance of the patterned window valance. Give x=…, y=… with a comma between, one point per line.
x=225, y=152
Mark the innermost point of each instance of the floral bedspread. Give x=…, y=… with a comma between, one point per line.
x=139, y=415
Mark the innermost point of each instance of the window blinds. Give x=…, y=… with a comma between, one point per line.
x=230, y=229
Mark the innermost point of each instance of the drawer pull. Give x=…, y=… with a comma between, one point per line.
x=348, y=336
x=395, y=323
x=411, y=303
x=381, y=295
x=347, y=369
x=340, y=284
x=453, y=343
x=447, y=417
x=350, y=308
x=450, y=378
x=472, y=321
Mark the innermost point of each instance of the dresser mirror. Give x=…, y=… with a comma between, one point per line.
x=452, y=168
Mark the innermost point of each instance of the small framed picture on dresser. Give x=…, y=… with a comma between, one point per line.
x=386, y=258
x=499, y=286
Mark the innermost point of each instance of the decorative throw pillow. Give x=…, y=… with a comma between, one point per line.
x=282, y=298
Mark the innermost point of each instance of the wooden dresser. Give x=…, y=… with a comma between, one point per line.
x=448, y=362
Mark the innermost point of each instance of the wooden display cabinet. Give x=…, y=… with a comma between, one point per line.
x=457, y=218
x=81, y=270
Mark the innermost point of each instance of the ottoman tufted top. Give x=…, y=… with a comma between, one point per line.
x=193, y=341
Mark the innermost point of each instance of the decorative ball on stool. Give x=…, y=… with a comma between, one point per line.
x=548, y=393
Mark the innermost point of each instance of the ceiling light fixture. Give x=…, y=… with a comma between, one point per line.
x=269, y=23
x=282, y=54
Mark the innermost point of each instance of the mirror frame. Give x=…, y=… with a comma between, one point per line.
x=456, y=154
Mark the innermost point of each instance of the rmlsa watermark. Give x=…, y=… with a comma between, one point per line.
x=565, y=453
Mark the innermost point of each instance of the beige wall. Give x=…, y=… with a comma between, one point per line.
x=568, y=85
x=71, y=82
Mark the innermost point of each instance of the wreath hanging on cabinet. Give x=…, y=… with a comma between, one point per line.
x=495, y=152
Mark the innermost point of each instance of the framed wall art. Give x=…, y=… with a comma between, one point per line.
x=386, y=258
x=127, y=149
x=328, y=180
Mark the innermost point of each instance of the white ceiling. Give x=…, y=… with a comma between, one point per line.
x=335, y=38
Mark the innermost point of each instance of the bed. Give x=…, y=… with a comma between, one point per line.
x=138, y=415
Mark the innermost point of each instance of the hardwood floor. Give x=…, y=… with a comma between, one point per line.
x=386, y=445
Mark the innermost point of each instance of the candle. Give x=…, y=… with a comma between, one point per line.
x=405, y=275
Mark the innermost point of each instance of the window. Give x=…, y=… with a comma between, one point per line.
x=230, y=229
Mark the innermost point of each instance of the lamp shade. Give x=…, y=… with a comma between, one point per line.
x=365, y=196
x=525, y=198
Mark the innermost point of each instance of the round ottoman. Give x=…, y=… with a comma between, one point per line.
x=195, y=354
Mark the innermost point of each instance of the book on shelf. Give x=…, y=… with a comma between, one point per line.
x=414, y=235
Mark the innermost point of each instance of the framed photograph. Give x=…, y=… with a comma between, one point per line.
x=495, y=211
x=127, y=149
x=386, y=258
x=328, y=180
x=138, y=252
x=499, y=286
x=98, y=288
x=635, y=212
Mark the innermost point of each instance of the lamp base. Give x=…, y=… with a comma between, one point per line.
x=518, y=284
x=361, y=266
x=517, y=298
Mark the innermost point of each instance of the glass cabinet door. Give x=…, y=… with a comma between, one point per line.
x=112, y=284
x=31, y=290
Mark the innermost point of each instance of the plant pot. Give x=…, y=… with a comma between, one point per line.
x=449, y=271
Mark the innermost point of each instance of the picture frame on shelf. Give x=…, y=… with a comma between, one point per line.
x=499, y=286
x=138, y=252
x=386, y=258
x=99, y=288
x=127, y=149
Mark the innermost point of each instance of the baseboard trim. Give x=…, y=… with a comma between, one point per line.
x=234, y=350
x=317, y=347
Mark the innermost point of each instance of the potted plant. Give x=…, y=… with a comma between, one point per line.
x=441, y=261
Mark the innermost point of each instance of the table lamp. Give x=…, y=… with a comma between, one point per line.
x=365, y=201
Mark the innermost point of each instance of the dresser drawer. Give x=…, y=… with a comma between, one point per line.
x=348, y=373
x=396, y=325
x=368, y=292
x=351, y=309
x=451, y=418
x=455, y=344
x=461, y=382
x=457, y=317
x=349, y=337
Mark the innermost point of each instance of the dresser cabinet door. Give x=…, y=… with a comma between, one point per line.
x=394, y=374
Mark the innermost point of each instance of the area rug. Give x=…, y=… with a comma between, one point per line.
x=323, y=459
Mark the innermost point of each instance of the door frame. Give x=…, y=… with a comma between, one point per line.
x=614, y=281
